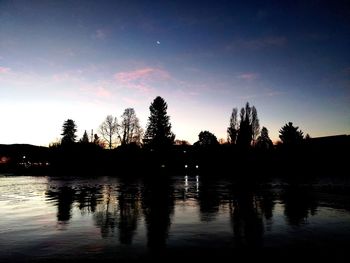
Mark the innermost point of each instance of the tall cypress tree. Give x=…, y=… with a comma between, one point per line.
x=158, y=133
x=232, y=130
x=244, y=137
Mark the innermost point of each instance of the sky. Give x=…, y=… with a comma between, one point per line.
x=85, y=60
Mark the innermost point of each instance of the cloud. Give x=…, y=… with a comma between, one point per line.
x=100, y=34
x=258, y=43
x=249, y=76
x=142, y=74
x=142, y=79
x=97, y=91
x=4, y=70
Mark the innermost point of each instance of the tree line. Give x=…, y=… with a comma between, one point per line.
x=243, y=131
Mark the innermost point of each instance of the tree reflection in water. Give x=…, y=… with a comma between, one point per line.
x=299, y=204
x=158, y=207
x=129, y=211
x=117, y=208
x=246, y=219
x=64, y=197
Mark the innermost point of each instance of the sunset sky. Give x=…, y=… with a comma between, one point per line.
x=86, y=59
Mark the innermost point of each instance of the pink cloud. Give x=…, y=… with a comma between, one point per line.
x=143, y=79
x=142, y=74
x=4, y=70
x=248, y=76
x=102, y=92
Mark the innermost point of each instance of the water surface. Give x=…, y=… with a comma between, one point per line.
x=51, y=218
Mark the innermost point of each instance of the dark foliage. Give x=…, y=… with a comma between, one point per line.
x=158, y=133
x=206, y=138
x=248, y=127
x=264, y=142
x=291, y=135
x=69, y=130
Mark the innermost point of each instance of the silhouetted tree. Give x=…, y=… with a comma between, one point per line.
x=232, y=130
x=264, y=142
x=245, y=133
x=108, y=130
x=158, y=133
x=130, y=130
x=290, y=135
x=249, y=126
x=69, y=130
x=206, y=138
x=255, y=124
x=97, y=141
x=85, y=138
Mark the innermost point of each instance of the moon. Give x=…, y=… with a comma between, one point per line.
x=158, y=42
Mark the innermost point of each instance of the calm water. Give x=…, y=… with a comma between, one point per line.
x=47, y=218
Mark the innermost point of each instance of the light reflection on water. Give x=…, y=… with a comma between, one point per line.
x=48, y=218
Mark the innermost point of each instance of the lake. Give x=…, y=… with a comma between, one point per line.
x=109, y=218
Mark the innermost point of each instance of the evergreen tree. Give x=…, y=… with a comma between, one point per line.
x=158, y=133
x=290, y=135
x=69, y=129
x=85, y=138
x=264, y=142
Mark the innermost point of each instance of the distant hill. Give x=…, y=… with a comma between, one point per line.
x=29, y=152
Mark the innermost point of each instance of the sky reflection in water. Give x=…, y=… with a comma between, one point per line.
x=45, y=217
